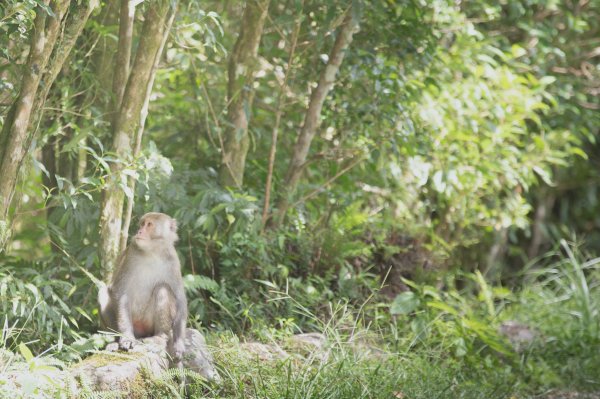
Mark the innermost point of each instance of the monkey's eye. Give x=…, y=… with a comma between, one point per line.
x=149, y=224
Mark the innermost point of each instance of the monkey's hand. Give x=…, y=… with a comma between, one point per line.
x=178, y=350
x=126, y=343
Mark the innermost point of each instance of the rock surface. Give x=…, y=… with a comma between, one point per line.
x=309, y=345
x=519, y=334
x=125, y=373
x=197, y=357
x=122, y=371
x=264, y=352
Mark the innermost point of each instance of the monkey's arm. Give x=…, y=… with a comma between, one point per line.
x=124, y=323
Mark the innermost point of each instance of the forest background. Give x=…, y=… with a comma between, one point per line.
x=414, y=173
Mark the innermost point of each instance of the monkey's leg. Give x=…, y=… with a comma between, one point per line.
x=125, y=324
x=165, y=310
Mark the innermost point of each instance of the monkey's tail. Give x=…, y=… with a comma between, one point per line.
x=103, y=295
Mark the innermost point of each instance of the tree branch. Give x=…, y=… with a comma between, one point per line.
x=313, y=113
x=278, y=113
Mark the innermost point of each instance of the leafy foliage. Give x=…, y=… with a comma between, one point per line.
x=458, y=144
x=42, y=306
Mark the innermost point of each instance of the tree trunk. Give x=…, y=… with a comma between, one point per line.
x=313, y=114
x=539, y=236
x=5, y=75
x=121, y=74
x=126, y=122
x=497, y=251
x=275, y=131
x=121, y=69
x=14, y=132
x=140, y=133
x=103, y=57
x=18, y=132
x=49, y=159
x=241, y=68
x=73, y=26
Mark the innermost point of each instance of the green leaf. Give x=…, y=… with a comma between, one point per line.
x=195, y=282
x=544, y=175
x=267, y=283
x=45, y=7
x=443, y=307
x=547, y=80
x=25, y=352
x=230, y=218
x=460, y=347
x=405, y=303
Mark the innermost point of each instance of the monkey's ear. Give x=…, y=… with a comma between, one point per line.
x=173, y=225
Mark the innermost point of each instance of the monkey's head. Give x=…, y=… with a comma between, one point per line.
x=156, y=228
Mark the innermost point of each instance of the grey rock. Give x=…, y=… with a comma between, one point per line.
x=264, y=351
x=197, y=357
x=121, y=371
x=519, y=334
x=314, y=341
x=310, y=345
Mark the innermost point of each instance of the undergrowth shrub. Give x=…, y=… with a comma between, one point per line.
x=43, y=305
x=560, y=299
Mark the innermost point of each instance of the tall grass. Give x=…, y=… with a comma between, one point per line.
x=569, y=284
x=430, y=343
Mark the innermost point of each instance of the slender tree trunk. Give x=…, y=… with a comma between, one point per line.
x=103, y=57
x=73, y=26
x=275, y=131
x=126, y=123
x=6, y=95
x=57, y=162
x=51, y=43
x=121, y=74
x=241, y=68
x=14, y=132
x=140, y=133
x=121, y=70
x=539, y=235
x=498, y=250
x=313, y=114
x=81, y=161
x=49, y=160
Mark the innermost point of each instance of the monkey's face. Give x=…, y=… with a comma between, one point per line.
x=156, y=226
x=148, y=229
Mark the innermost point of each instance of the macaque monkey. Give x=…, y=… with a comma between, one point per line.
x=146, y=295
